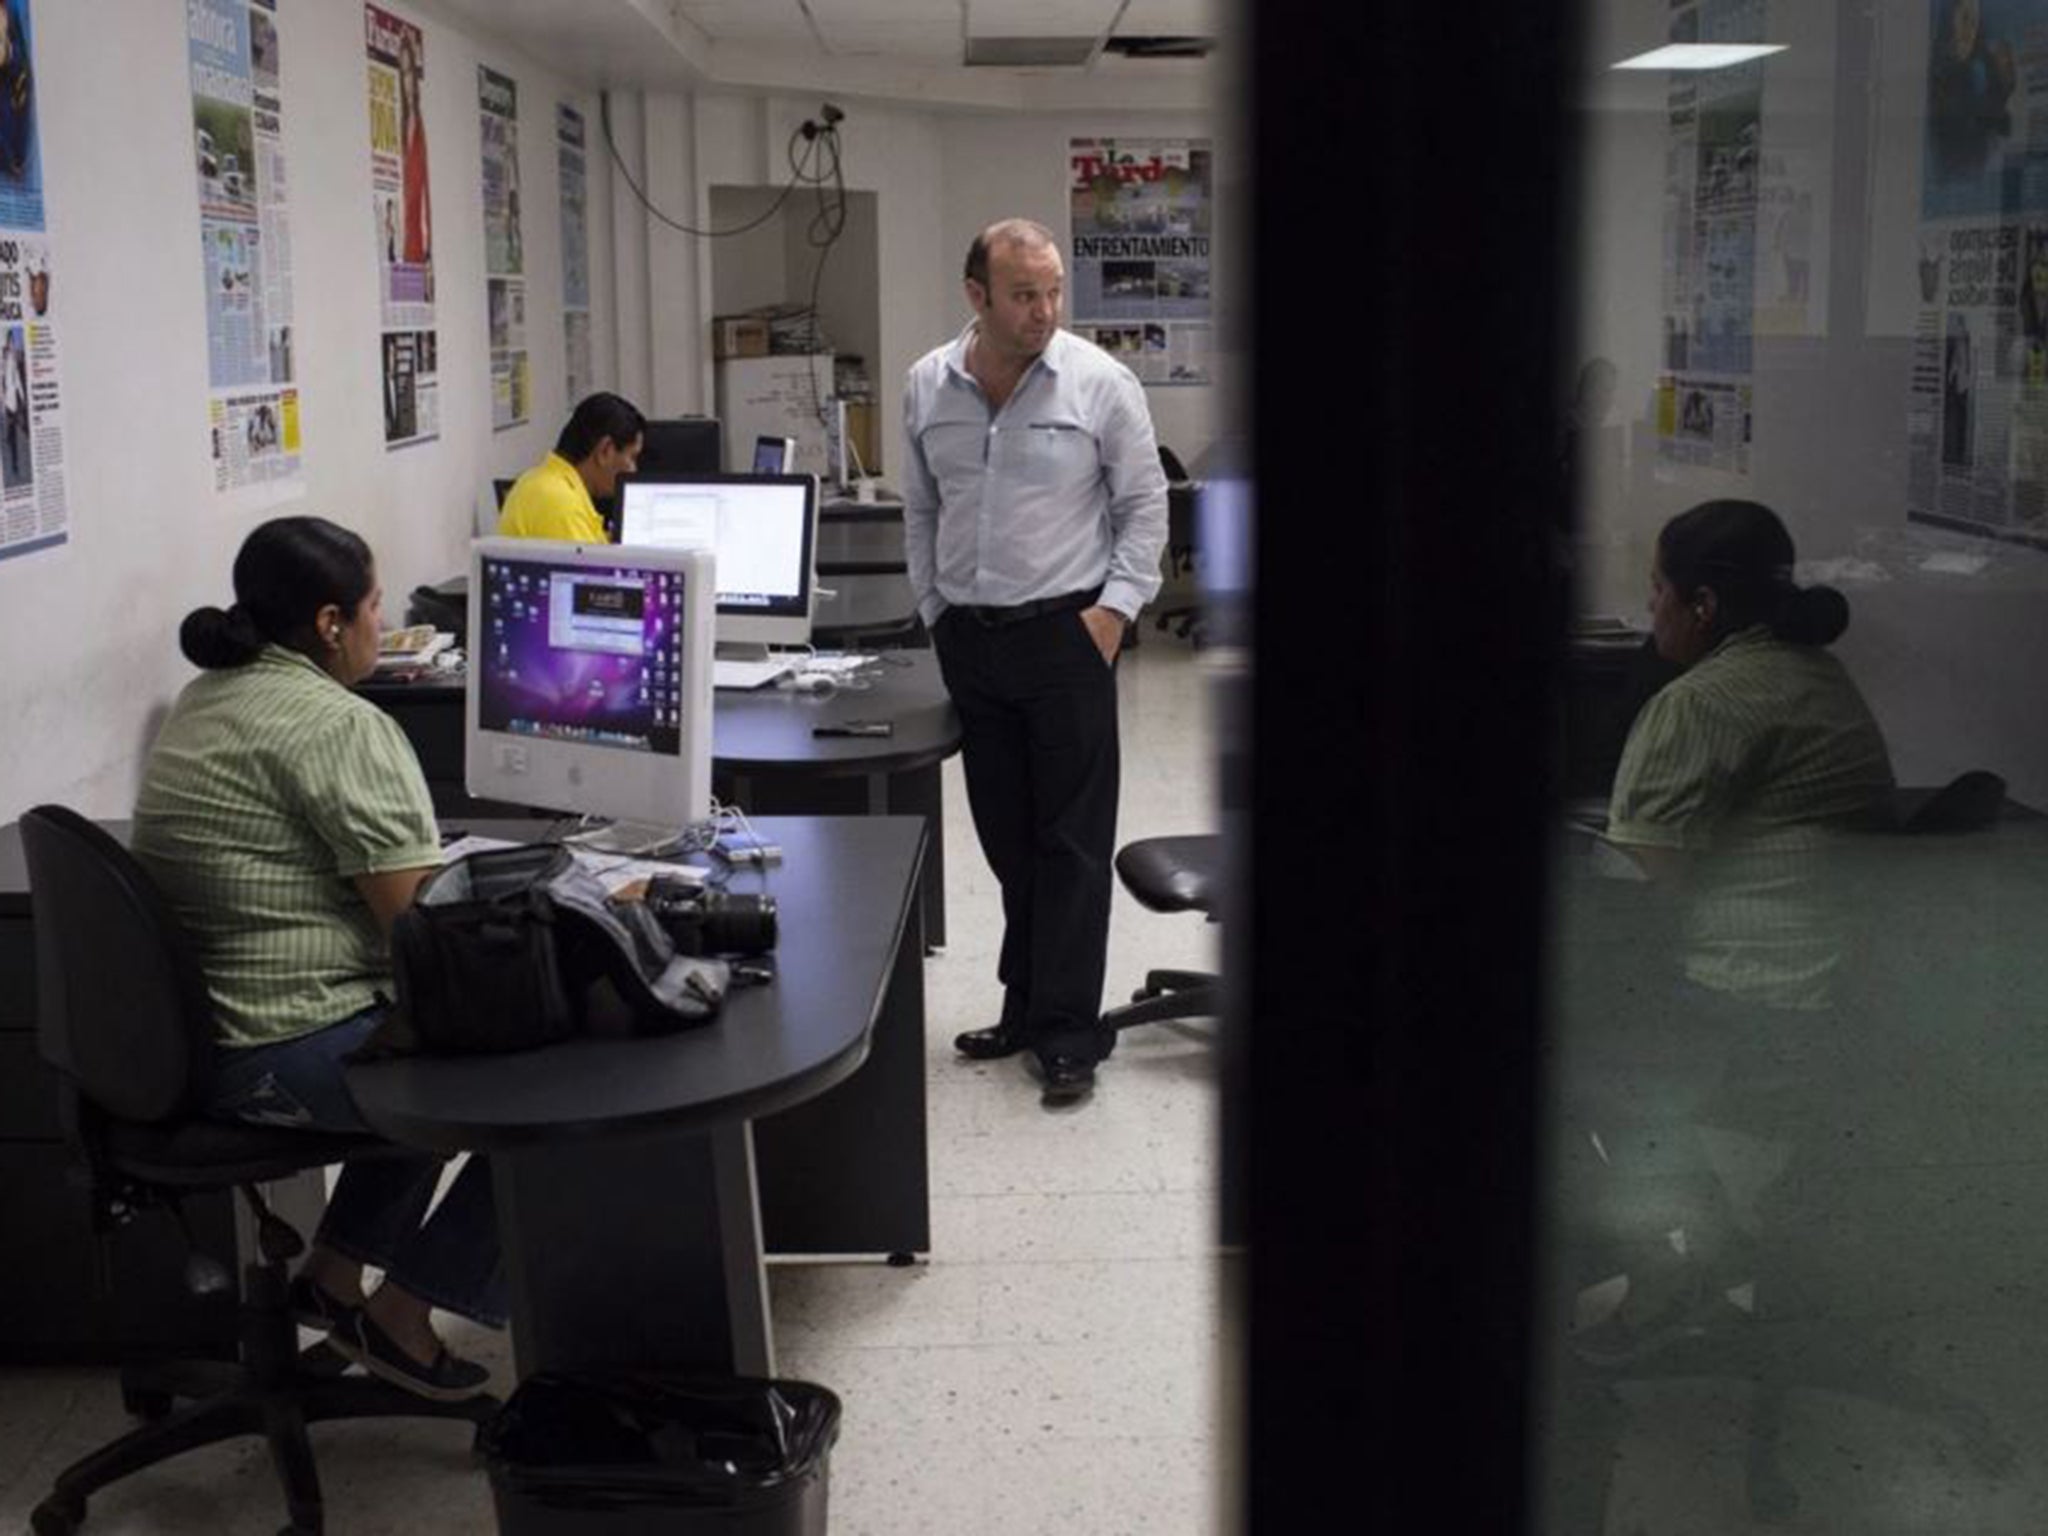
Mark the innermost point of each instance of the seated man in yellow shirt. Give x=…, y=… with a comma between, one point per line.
x=556, y=499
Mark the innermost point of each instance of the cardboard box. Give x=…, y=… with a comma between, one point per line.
x=861, y=422
x=739, y=336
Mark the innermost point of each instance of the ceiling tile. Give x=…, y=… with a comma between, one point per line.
x=938, y=13
x=899, y=39
x=1171, y=18
x=1039, y=18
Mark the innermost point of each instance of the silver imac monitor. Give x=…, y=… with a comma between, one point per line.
x=590, y=681
x=764, y=528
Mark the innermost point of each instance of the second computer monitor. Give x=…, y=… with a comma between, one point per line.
x=683, y=445
x=763, y=529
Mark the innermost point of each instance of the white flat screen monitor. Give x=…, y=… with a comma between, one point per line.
x=764, y=528
x=590, y=679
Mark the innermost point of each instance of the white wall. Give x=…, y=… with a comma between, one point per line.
x=1016, y=166
x=938, y=177
x=1946, y=656
x=88, y=631
x=750, y=267
x=890, y=151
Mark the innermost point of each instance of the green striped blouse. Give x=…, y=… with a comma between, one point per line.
x=1749, y=759
x=269, y=787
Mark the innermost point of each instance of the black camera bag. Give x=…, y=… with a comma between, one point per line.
x=475, y=957
x=513, y=948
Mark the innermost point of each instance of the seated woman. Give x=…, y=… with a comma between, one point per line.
x=1736, y=771
x=287, y=823
x=1736, y=780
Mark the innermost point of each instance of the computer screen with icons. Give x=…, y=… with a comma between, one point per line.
x=590, y=679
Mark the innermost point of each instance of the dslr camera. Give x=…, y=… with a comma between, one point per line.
x=709, y=923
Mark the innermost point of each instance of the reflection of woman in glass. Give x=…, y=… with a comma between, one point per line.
x=1735, y=793
x=412, y=138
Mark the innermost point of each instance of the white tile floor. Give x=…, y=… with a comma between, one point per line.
x=1053, y=1368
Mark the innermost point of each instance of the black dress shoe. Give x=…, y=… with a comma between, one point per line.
x=991, y=1044
x=1067, y=1078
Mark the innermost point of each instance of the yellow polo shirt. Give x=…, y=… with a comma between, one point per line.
x=550, y=501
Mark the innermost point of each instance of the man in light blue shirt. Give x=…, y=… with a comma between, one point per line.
x=1034, y=514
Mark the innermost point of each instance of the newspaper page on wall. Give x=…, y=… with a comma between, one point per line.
x=33, y=510
x=1139, y=285
x=497, y=99
x=403, y=215
x=244, y=232
x=1977, y=410
x=571, y=162
x=1712, y=181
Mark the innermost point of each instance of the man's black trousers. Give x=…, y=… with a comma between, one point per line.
x=1038, y=723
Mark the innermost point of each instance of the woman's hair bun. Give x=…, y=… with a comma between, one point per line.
x=1812, y=616
x=214, y=638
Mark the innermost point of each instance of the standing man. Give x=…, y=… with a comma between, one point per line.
x=1034, y=513
x=557, y=498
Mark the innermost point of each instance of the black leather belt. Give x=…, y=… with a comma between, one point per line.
x=1017, y=613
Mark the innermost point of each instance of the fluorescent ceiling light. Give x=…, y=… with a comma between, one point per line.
x=1700, y=55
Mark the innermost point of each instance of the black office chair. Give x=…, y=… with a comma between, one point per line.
x=123, y=1018
x=444, y=605
x=1185, y=619
x=1172, y=874
x=1969, y=802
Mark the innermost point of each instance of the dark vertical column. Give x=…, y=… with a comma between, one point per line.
x=635, y=1252
x=1408, y=290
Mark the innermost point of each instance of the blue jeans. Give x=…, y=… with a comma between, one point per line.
x=378, y=1212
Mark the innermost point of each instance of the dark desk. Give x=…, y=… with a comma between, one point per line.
x=863, y=608
x=625, y=1169
x=764, y=757
x=839, y=1172
x=861, y=566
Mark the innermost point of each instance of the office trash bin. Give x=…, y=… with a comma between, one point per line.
x=622, y=1453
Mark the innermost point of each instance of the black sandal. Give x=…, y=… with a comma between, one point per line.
x=448, y=1379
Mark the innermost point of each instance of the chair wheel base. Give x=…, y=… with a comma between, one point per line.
x=57, y=1516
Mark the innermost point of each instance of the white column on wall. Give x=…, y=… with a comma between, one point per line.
x=675, y=260
x=727, y=151
x=632, y=335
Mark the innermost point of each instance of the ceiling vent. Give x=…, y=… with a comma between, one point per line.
x=1029, y=52
x=1163, y=47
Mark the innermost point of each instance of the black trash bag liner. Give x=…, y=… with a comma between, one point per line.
x=595, y=1439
